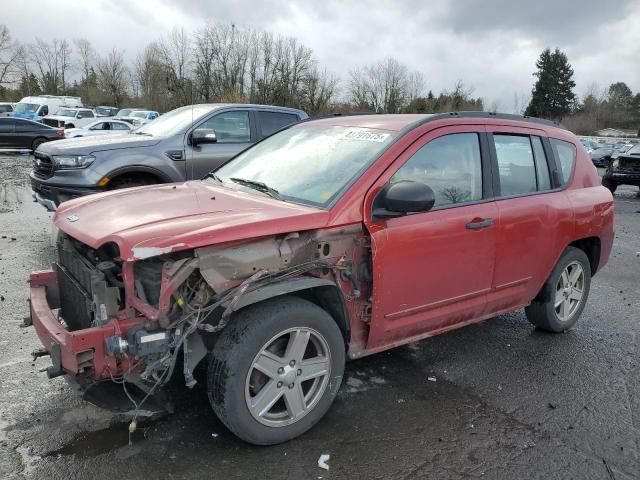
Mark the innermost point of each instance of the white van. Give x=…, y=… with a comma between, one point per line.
x=34, y=108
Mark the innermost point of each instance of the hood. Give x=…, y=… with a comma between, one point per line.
x=59, y=117
x=150, y=221
x=27, y=116
x=98, y=143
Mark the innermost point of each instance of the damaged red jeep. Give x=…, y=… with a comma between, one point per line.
x=332, y=239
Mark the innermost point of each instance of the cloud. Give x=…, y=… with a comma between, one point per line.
x=491, y=45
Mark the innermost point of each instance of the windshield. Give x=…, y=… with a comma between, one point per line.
x=309, y=164
x=175, y=121
x=65, y=112
x=26, y=108
x=103, y=111
x=139, y=114
x=124, y=112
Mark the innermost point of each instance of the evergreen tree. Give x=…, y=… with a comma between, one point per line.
x=620, y=96
x=552, y=96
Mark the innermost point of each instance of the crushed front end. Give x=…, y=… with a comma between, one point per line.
x=101, y=318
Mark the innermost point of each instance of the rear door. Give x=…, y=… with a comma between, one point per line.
x=7, y=132
x=235, y=130
x=433, y=270
x=532, y=210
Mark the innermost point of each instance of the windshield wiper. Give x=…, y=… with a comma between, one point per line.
x=214, y=176
x=261, y=187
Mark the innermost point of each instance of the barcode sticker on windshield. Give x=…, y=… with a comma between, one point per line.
x=366, y=136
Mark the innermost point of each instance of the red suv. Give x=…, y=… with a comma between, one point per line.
x=335, y=238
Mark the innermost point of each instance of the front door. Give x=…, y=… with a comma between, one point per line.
x=234, y=132
x=434, y=270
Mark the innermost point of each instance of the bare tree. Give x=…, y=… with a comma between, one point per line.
x=9, y=52
x=175, y=54
x=85, y=64
x=385, y=87
x=112, y=76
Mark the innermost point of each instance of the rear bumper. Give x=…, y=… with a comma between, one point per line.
x=80, y=352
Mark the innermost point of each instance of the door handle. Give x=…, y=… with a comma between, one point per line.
x=480, y=223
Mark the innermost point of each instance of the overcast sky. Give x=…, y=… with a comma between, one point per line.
x=491, y=45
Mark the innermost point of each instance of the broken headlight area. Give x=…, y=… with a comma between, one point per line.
x=131, y=322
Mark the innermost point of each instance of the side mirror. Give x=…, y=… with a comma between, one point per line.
x=406, y=196
x=203, y=135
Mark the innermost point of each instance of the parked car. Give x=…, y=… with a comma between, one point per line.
x=183, y=144
x=140, y=117
x=621, y=149
x=17, y=133
x=331, y=239
x=70, y=118
x=624, y=170
x=101, y=127
x=5, y=109
x=589, y=145
x=35, y=108
x=601, y=156
x=106, y=111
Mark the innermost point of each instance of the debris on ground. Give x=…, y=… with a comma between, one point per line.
x=322, y=461
x=215, y=435
x=552, y=406
x=431, y=379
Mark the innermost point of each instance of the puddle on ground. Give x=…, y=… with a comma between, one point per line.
x=99, y=442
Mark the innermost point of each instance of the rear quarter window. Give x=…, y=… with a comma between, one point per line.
x=565, y=153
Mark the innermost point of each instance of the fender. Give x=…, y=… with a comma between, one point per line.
x=328, y=294
x=138, y=169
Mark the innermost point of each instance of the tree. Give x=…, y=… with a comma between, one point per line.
x=552, y=95
x=620, y=96
x=112, y=76
x=8, y=55
x=385, y=87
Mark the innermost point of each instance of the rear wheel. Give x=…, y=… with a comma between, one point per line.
x=610, y=184
x=37, y=142
x=563, y=297
x=276, y=369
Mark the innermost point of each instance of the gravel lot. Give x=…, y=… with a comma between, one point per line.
x=507, y=401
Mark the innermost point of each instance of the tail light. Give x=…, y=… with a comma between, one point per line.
x=60, y=133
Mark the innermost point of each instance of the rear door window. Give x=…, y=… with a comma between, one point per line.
x=565, y=153
x=516, y=167
x=451, y=165
x=273, y=121
x=7, y=125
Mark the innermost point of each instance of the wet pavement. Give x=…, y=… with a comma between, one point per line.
x=508, y=401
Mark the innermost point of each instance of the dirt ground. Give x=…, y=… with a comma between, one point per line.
x=508, y=401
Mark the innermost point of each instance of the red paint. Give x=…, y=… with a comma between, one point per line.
x=430, y=273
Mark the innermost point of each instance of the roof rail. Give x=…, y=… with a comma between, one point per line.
x=501, y=116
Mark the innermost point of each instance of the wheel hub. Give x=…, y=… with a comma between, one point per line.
x=288, y=376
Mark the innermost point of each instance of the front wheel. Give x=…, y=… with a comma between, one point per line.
x=276, y=370
x=563, y=297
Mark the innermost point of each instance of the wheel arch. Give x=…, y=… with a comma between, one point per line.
x=324, y=293
x=137, y=170
x=591, y=246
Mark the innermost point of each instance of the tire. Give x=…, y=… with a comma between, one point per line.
x=232, y=378
x=69, y=125
x=37, y=142
x=130, y=182
x=543, y=312
x=612, y=186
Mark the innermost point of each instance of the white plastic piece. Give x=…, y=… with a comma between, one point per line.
x=431, y=379
x=322, y=461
